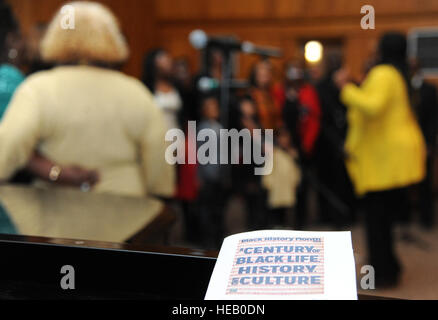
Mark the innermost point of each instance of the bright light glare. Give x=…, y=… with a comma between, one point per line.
x=313, y=51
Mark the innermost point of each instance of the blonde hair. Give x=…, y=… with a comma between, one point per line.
x=96, y=36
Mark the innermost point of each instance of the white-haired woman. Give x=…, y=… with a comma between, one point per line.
x=85, y=114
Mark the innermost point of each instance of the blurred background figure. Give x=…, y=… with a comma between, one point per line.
x=6, y=225
x=10, y=53
x=184, y=83
x=188, y=181
x=158, y=77
x=83, y=114
x=302, y=110
x=425, y=104
x=11, y=57
x=187, y=194
x=245, y=183
x=212, y=200
x=330, y=156
x=282, y=184
x=301, y=116
x=261, y=82
x=385, y=148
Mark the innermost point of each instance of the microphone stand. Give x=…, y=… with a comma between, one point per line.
x=225, y=94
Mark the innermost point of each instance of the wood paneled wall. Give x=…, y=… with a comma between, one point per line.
x=137, y=18
x=282, y=23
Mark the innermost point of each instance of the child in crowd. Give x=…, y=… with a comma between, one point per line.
x=284, y=180
x=211, y=195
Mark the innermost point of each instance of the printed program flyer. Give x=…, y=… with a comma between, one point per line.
x=279, y=265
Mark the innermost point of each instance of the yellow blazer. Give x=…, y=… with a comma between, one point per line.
x=385, y=145
x=92, y=117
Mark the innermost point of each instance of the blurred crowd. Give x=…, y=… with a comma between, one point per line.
x=340, y=146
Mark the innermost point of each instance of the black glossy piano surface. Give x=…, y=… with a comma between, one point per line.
x=110, y=241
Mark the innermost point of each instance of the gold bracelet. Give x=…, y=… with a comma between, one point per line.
x=54, y=173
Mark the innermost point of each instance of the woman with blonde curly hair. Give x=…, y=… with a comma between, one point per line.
x=86, y=114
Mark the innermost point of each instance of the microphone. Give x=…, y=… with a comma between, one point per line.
x=249, y=47
x=206, y=84
x=199, y=40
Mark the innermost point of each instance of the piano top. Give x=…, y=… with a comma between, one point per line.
x=37, y=225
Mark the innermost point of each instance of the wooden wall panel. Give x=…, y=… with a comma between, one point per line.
x=344, y=8
x=137, y=18
x=180, y=9
x=241, y=9
x=283, y=23
x=289, y=22
x=281, y=9
x=212, y=9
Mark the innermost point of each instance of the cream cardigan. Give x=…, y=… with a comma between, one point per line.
x=92, y=117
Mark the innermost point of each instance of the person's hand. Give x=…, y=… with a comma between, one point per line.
x=77, y=177
x=341, y=78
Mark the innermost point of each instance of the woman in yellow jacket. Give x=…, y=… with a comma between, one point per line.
x=385, y=147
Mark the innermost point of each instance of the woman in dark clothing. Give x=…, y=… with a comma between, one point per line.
x=332, y=172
